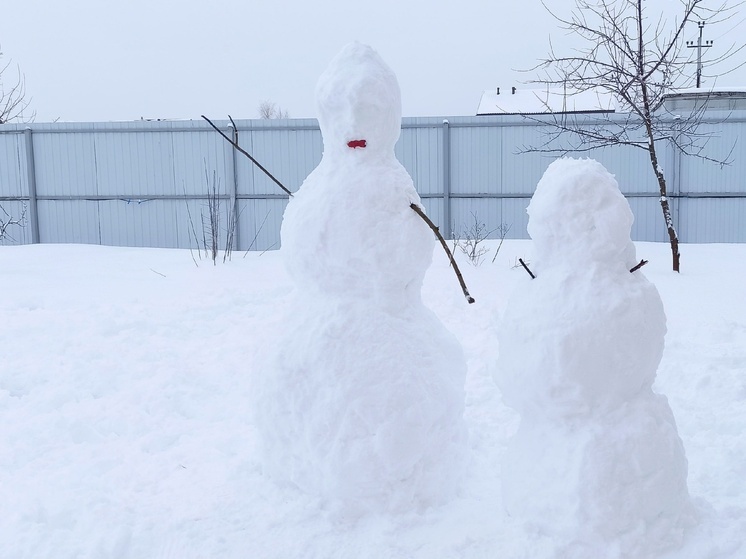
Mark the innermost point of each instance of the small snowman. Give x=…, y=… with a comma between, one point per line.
x=361, y=402
x=597, y=460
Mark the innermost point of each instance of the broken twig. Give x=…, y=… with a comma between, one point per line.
x=247, y=154
x=638, y=266
x=525, y=267
x=435, y=229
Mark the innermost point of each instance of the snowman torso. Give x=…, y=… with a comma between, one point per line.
x=350, y=230
x=593, y=348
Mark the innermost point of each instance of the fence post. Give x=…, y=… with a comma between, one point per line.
x=447, y=226
x=234, y=192
x=33, y=209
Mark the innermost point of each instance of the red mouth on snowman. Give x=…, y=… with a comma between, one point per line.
x=356, y=144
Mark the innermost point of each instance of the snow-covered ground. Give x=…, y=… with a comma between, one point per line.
x=126, y=432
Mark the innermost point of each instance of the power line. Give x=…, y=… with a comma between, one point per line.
x=699, y=46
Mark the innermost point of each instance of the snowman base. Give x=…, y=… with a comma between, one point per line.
x=364, y=408
x=617, y=479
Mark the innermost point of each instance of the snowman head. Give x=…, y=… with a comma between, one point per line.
x=578, y=215
x=359, y=103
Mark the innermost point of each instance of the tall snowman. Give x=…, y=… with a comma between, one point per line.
x=362, y=400
x=597, y=461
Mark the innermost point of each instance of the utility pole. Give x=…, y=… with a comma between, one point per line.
x=699, y=46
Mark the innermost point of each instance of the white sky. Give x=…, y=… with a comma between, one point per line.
x=87, y=60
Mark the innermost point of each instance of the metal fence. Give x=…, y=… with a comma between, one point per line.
x=148, y=183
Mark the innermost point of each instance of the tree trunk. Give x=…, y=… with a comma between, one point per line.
x=673, y=237
x=665, y=206
x=647, y=116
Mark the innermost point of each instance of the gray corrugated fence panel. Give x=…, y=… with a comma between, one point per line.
x=193, y=162
x=420, y=152
x=65, y=164
x=14, y=188
x=713, y=220
x=468, y=214
x=13, y=181
x=648, y=224
x=132, y=164
x=476, y=160
x=187, y=223
x=631, y=167
x=157, y=223
x=434, y=210
x=522, y=170
x=165, y=223
x=492, y=214
x=260, y=222
x=289, y=150
x=290, y=155
x=123, y=183
x=69, y=221
x=701, y=176
x=514, y=216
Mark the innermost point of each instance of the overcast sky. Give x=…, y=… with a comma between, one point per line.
x=87, y=60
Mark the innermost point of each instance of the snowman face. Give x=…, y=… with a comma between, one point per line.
x=359, y=103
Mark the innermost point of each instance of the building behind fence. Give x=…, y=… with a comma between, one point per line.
x=148, y=183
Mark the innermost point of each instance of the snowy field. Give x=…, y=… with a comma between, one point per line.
x=124, y=383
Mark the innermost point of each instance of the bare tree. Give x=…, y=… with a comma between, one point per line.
x=210, y=220
x=637, y=59
x=471, y=239
x=7, y=221
x=269, y=110
x=13, y=101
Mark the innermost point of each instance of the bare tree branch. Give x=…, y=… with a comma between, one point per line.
x=13, y=100
x=443, y=243
x=247, y=154
x=7, y=221
x=637, y=266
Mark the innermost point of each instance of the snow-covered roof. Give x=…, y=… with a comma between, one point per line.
x=515, y=101
x=720, y=91
x=724, y=98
